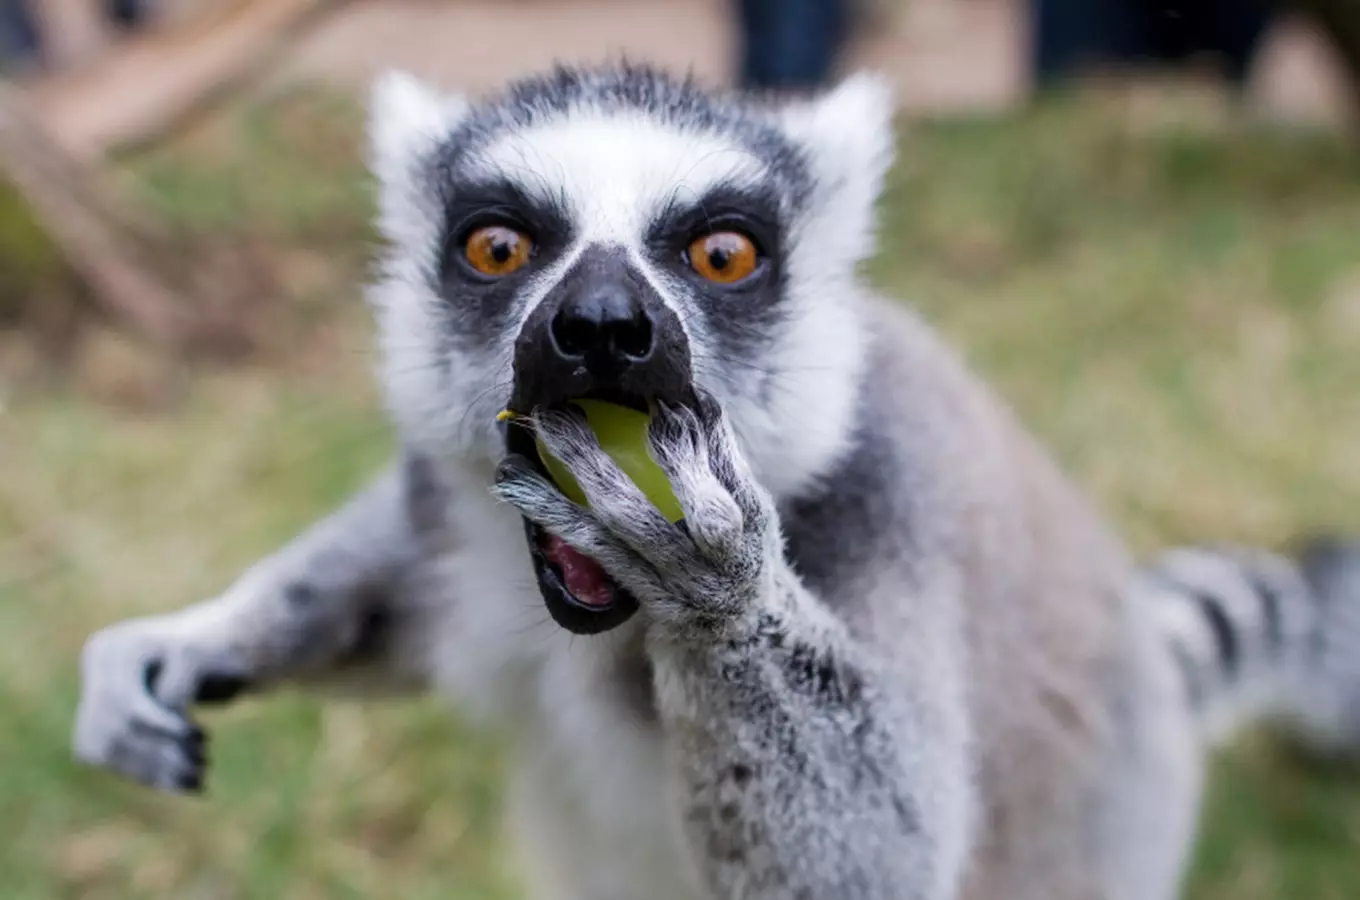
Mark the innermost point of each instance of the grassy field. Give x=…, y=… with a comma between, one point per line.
x=1173, y=302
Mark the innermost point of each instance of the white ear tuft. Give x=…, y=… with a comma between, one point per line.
x=849, y=127
x=849, y=137
x=405, y=117
x=406, y=120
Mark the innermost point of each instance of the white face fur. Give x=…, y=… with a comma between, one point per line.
x=614, y=155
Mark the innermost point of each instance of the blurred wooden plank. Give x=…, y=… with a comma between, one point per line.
x=150, y=83
x=89, y=225
x=181, y=296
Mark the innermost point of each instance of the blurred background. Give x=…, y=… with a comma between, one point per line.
x=1139, y=218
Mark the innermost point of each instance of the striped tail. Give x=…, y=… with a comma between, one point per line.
x=1266, y=638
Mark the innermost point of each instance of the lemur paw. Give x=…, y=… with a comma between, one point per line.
x=706, y=571
x=133, y=714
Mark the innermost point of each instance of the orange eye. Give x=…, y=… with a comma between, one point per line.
x=725, y=257
x=496, y=250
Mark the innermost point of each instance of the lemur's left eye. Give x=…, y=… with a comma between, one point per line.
x=725, y=257
x=497, y=250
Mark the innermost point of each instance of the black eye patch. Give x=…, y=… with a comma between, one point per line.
x=753, y=212
x=741, y=315
x=477, y=309
x=476, y=205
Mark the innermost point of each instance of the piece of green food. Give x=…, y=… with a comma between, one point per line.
x=622, y=433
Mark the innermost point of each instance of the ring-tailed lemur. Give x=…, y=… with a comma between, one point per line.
x=889, y=652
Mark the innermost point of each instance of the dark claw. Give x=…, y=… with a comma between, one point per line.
x=707, y=406
x=221, y=688
x=152, y=675
x=196, y=753
x=190, y=782
x=513, y=467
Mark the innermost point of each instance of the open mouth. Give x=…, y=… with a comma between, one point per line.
x=580, y=595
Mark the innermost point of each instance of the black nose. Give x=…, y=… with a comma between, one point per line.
x=605, y=327
x=603, y=331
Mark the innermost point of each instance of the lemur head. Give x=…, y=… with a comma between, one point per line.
x=619, y=233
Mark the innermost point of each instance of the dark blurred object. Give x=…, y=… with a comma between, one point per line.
x=1072, y=36
x=791, y=44
x=20, y=47
x=128, y=15
x=21, y=43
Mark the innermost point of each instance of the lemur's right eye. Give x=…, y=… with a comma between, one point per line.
x=497, y=250
x=725, y=257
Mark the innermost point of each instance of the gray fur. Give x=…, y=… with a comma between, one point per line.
x=1262, y=636
x=787, y=735
x=891, y=652
x=325, y=608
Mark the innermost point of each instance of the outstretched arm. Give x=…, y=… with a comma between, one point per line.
x=328, y=608
x=806, y=765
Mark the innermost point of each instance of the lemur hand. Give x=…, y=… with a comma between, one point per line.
x=697, y=576
x=138, y=680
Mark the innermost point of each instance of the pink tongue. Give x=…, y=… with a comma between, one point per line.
x=583, y=576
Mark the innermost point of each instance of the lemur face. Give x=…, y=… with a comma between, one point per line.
x=618, y=234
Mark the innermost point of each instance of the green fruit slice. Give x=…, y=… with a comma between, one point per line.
x=622, y=433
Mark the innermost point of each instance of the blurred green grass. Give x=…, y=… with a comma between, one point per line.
x=1172, y=303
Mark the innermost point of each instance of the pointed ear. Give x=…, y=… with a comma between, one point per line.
x=405, y=118
x=406, y=121
x=848, y=136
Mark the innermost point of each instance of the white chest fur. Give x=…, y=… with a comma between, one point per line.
x=589, y=802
